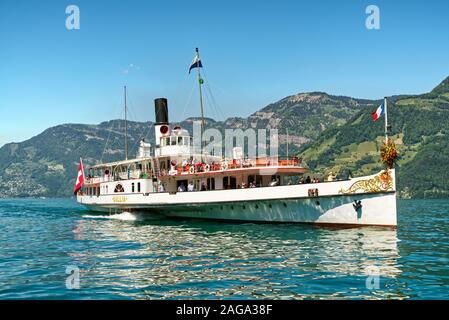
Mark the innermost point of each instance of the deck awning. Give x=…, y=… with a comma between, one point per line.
x=120, y=163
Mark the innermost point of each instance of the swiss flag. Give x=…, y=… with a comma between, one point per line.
x=80, y=179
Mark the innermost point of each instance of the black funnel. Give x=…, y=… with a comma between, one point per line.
x=161, y=110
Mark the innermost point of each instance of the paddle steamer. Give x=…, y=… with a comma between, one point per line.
x=172, y=180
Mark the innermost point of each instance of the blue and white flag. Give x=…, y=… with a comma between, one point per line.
x=196, y=63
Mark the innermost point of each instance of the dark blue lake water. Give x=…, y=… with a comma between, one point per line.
x=134, y=256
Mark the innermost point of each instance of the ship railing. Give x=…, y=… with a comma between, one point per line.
x=191, y=168
x=92, y=180
x=110, y=178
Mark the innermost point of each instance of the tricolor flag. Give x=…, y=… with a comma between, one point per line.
x=80, y=179
x=379, y=111
x=196, y=63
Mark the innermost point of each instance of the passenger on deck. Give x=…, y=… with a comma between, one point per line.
x=308, y=179
x=181, y=187
x=301, y=181
x=161, y=188
x=203, y=187
x=331, y=177
x=190, y=186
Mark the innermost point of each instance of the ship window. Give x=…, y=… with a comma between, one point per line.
x=211, y=184
x=173, y=141
x=196, y=184
x=132, y=187
x=186, y=141
x=313, y=192
x=179, y=140
x=229, y=183
x=138, y=186
x=233, y=182
x=256, y=180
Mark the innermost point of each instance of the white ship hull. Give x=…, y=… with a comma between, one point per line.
x=336, y=203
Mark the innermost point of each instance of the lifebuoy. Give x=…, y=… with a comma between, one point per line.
x=163, y=129
x=191, y=169
x=207, y=168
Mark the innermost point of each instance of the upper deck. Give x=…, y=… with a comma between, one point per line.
x=161, y=167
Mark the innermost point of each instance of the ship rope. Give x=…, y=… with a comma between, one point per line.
x=211, y=98
x=110, y=129
x=187, y=102
x=133, y=117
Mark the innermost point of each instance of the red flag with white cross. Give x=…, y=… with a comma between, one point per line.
x=80, y=179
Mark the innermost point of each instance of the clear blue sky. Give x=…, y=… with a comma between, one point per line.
x=254, y=53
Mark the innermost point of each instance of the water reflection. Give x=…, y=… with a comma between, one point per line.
x=159, y=258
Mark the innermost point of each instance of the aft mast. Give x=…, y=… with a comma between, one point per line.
x=126, y=127
x=200, y=82
x=386, y=120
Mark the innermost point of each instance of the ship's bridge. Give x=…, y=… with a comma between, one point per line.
x=177, y=142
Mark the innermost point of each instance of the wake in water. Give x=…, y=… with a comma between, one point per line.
x=124, y=216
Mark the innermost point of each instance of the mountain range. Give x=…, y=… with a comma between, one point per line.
x=331, y=133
